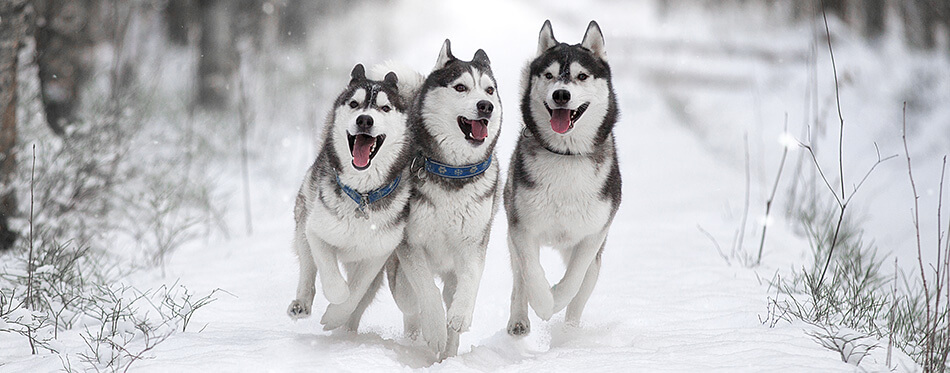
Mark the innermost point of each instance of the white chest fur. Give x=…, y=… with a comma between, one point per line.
x=566, y=203
x=447, y=222
x=353, y=237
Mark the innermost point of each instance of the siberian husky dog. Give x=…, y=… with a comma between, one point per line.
x=353, y=205
x=563, y=186
x=456, y=120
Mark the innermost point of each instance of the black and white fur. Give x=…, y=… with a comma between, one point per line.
x=449, y=219
x=329, y=229
x=563, y=189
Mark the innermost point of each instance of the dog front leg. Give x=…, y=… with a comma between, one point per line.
x=519, y=323
x=334, y=286
x=413, y=263
x=306, y=288
x=581, y=259
x=527, y=253
x=360, y=275
x=468, y=275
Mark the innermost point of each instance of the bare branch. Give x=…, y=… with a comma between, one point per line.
x=768, y=204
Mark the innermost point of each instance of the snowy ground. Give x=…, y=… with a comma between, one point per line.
x=665, y=301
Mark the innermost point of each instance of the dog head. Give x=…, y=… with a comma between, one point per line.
x=368, y=132
x=568, y=99
x=459, y=108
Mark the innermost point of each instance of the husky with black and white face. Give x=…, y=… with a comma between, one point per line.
x=354, y=203
x=457, y=119
x=563, y=187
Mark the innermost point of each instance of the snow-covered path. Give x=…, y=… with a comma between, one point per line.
x=666, y=301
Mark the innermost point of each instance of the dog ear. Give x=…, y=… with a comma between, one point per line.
x=391, y=79
x=594, y=40
x=546, y=38
x=481, y=58
x=445, y=56
x=358, y=73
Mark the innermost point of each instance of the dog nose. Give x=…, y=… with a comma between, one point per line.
x=364, y=122
x=561, y=96
x=485, y=108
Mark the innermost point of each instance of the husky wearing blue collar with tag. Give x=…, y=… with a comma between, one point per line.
x=563, y=186
x=456, y=119
x=354, y=202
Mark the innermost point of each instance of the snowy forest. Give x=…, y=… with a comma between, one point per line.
x=784, y=166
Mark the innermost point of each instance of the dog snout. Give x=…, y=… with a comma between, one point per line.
x=485, y=108
x=561, y=96
x=364, y=122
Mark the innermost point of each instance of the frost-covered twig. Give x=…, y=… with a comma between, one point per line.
x=30, y=268
x=768, y=203
x=740, y=231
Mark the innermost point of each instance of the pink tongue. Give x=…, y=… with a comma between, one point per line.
x=479, y=130
x=560, y=120
x=362, y=147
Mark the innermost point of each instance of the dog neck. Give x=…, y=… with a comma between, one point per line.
x=528, y=132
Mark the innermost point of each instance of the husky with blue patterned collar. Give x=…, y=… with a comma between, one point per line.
x=354, y=203
x=456, y=119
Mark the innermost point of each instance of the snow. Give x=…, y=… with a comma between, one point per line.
x=665, y=302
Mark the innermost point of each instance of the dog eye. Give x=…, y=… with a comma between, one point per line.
x=354, y=104
x=490, y=90
x=549, y=76
x=460, y=88
x=385, y=108
x=582, y=77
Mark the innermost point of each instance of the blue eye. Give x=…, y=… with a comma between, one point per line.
x=549, y=76
x=460, y=88
x=582, y=77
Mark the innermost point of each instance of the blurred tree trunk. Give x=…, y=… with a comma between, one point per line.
x=12, y=29
x=61, y=46
x=180, y=19
x=920, y=20
x=874, y=18
x=838, y=7
x=293, y=22
x=929, y=11
x=249, y=22
x=218, y=59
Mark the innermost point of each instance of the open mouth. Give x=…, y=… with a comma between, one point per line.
x=475, y=130
x=562, y=120
x=363, y=147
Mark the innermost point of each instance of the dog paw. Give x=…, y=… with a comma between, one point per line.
x=435, y=335
x=336, y=291
x=459, y=322
x=519, y=328
x=335, y=316
x=298, y=310
x=543, y=303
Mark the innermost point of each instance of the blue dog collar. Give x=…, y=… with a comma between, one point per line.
x=364, y=199
x=452, y=172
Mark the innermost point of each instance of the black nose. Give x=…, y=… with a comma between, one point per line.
x=364, y=122
x=561, y=96
x=485, y=108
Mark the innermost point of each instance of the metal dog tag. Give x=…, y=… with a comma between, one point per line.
x=361, y=208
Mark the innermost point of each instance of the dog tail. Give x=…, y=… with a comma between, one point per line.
x=410, y=81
